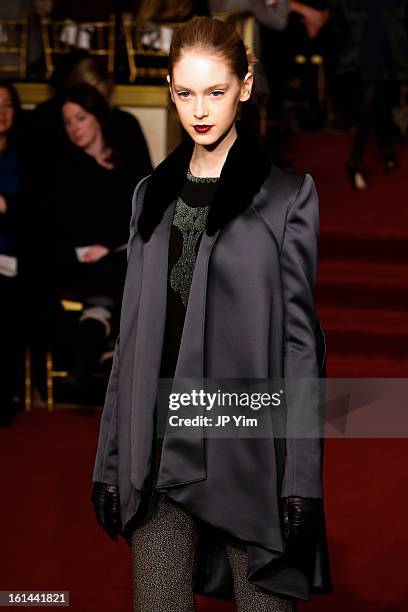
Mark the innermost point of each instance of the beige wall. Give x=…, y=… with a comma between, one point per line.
x=153, y=122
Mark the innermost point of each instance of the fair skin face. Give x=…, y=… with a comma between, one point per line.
x=85, y=132
x=206, y=92
x=6, y=123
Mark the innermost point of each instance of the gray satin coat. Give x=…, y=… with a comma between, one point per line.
x=250, y=315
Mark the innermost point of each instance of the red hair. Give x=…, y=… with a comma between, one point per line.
x=211, y=35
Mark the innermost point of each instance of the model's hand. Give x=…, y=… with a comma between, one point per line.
x=301, y=517
x=105, y=499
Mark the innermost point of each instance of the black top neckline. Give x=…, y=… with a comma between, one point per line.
x=201, y=179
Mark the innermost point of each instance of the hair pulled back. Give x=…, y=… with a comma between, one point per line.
x=211, y=35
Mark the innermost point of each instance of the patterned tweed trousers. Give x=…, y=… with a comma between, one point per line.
x=164, y=546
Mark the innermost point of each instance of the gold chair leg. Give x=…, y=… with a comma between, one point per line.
x=50, y=382
x=132, y=69
x=27, y=380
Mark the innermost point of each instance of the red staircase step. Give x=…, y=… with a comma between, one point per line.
x=362, y=284
x=365, y=332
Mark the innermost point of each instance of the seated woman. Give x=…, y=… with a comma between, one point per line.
x=9, y=222
x=89, y=212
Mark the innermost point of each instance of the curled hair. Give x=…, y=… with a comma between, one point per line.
x=213, y=35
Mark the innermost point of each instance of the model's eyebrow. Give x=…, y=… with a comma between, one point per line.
x=217, y=86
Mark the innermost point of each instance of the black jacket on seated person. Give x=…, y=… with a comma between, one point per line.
x=89, y=204
x=80, y=203
x=73, y=201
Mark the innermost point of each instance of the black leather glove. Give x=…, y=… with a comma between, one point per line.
x=105, y=499
x=301, y=518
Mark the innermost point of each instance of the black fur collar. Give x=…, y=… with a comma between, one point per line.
x=242, y=176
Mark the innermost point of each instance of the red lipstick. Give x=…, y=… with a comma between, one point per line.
x=202, y=129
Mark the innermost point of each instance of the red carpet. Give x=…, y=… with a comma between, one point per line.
x=49, y=539
x=362, y=292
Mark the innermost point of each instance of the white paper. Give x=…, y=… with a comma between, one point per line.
x=8, y=265
x=80, y=252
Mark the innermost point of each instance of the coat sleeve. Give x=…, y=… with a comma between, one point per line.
x=106, y=462
x=303, y=464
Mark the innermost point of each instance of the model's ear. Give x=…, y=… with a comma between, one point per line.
x=246, y=87
x=170, y=87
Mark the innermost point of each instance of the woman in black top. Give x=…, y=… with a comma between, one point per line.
x=88, y=205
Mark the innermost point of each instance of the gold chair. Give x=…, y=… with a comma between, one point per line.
x=13, y=45
x=67, y=306
x=51, y=373
x=59, y=37
x=134, y=30
x=318, y=61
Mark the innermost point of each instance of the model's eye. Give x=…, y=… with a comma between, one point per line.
x=183, y=94
x=217, y=93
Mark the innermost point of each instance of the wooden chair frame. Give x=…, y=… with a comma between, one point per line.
x=132, y=30
x=51, y=373
x=19, y=28
x=52, y=44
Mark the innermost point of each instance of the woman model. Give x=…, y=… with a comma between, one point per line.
x=221, y=270
x=89, y=209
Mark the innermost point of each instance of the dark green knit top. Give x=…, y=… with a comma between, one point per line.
x=189, y=222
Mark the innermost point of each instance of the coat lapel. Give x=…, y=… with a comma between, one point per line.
x=148, y=346
x=190, y=363
x=183, y=458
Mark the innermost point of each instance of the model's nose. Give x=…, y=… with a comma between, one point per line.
x=199, y=110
